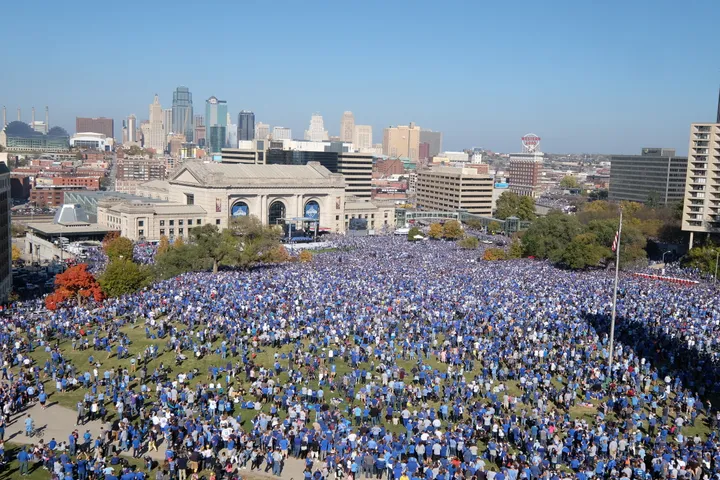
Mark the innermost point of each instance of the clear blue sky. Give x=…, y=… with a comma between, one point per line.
x=586, y=76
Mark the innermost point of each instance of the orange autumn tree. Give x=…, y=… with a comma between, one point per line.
x=75, y=283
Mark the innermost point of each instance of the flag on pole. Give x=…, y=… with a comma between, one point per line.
x=614, y=246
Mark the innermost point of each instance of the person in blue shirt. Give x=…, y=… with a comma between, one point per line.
x=23, y=458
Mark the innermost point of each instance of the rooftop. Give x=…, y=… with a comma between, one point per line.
x=227, y=175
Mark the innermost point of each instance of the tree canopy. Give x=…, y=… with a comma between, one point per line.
x=123, y=276
x=513, y=205
x=435, y=231
x=74, y=283
x=569, y=181
x=118, y=248
x=452, y=230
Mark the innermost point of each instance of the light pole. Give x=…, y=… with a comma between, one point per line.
x=669, y=251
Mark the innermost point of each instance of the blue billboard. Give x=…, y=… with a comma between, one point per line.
x=240, y=209
x=312, y=210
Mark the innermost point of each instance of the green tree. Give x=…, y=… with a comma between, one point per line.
x=516, y=249
x=653, y=200
x=569, y=181
x=702, y=258
x=123, y=276
x=452, y=230
x=470, y=242
x=222, y=247
x=474, y=223
x=414, y=234
x=179, y=259
x=513, y=205
x=632, y=241
x=119, y=248
x=548, y=236
x=435, y=231
x=494, y=227
x=134, y=150
x=582, y=252
x=258, y=243
x=600, y=194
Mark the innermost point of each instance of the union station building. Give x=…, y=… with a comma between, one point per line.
x=202, y=192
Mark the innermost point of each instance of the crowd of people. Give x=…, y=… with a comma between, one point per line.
x=385, y=359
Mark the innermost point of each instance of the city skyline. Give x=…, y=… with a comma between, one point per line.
x=580, y=87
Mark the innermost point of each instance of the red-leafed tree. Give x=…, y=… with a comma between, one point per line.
x=75, y=283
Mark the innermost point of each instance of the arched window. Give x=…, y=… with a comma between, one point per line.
x=277, y=213
x=312, y=210
x=240, y=209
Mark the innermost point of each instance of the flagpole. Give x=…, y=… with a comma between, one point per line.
x=614, y=304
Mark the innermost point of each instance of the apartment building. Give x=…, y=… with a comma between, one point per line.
x=450, y=189
x=701, y=209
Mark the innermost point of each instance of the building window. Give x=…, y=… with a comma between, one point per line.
x=217, y=221
x=180, y=231
x=172, y=222
x=180, y=222
x=162, y=223
x=199, y=221
x=172, y=232
x=189, y=222
x=162, y=231
x=141, y=223
x=189, y=199
x=141, y=232
x=337, y=218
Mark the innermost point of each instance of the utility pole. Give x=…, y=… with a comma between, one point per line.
x=614, y=304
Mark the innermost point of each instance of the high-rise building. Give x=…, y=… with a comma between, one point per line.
x=316, y=132
x=103, y=125
x=282, y=133
x=132, y=129
x=262, y=131
x=434, y=140
x=701, y=209
x=402, y=141
x=182, y=113
x=449, y=189
x=657, y=175
x=155, y=138
x=246, y=126
x=525, y=168
x=216, y=124
x=362, y=137
x=424, y=151
x=231, y=135
x=167, y=123
x=347, y=127
x=199, y=121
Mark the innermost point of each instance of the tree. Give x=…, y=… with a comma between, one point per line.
x=548, y=236
x=474, y=224
x=653, y=200
x=632, y=241
x=452, y=230
x=470, y=242
x=702, y=258
x=568, y=182
x=109, y=237
x=516, y=249
x=435, y=231
x=119, y=248
x=134, y=150
x=278, y=254
x=219, y=246
x=164, y=245
x=494, y=254
x=257, y=242
x=306, y=256
x=414, y=234
x=513, y=205
x=582, y=252
x=16, y=253
x=600, y=194
x=75, y=283
x=178, y=242
x=179, y=259
x=494, y=227
x=17, y=230
x=123, y=276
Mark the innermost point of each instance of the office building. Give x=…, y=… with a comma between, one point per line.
x=701, y=209
x=424, y=152
x=449, y=189
x=525, y=169
x=167, y=123
x=5, y=236
x=140, y=168
x=347, y=127
x=182, y=113
x=216, y=124
x=154, y=133
x=103, y=125
x=132, y=129
x=231, y=135
x=434, y=141
x=316, y=132
x=357, y=169
x=657, y=176
x=362, y=137
x=262, y=130
x=246, y=125
x=281, y=133
x=402, y=141
x=199, y=121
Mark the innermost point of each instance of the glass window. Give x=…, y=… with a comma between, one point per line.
x=172, y=232
x=217, y=221
x=162, y=223
x=162, y=231
x=199, y=221
x=180, y=222
x=180, y=231
x=189, y=221
x=141, y=223
x=172, y=222
x=141, y=232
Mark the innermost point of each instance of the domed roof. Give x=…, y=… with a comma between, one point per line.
x=58, y=132
x=19, y=129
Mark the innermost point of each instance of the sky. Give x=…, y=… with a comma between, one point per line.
x=587, y=77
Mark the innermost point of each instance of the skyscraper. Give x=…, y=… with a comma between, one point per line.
x=347, y=127
x=434, y=140
x=262, y=131
x=402, y=141
x=316, y=132
x=362, y=137
x=167, y=123
x=132, y=129
x=155, y=129
x=182, y=113
x=282, y=133
x=701, y=208
x=216, y=123
x=246, y=125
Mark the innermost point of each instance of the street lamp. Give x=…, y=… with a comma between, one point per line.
x=669, y=251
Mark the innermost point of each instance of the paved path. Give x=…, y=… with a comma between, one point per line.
x=58, y=422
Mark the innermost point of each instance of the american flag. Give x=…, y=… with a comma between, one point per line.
x=615, y=242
